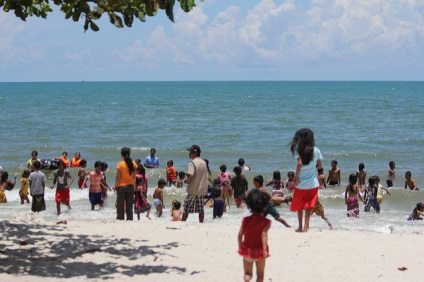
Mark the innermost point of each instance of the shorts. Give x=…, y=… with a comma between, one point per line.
x=157, y=202
x=62, y=196
x=272, y=211
x=319, y=208
x=80, y=183
x=96, y=198
x=218, y=208
x=239, y=201
x=304, y=199
x=333, y=183
x=194, y=204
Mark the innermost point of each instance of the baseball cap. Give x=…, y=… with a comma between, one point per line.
x=194, y=149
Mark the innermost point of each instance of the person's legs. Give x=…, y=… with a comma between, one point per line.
x=120, y=203
x=307, y=217
x=129, y=199
x=201, y=216
x=260, y=270
x=248, y=267
x=300, y=220
x=58, y=208
x=280, y=219
x=185, y=215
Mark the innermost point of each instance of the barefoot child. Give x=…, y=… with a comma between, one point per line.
x=333, y=174
x=351, y=197
x=253, y=235
x=96, y=183
x=258, y=182
x=371, y=196
x=158, y=197
x=23, y=193
x=176, y=212
x=61, y=176
x=305, y=182
x=82, y=174
x=361, y=174
x=380, y=190
x=37, y=186
x=218, y=200
x=410, y=182
x=140, y=203
x=226, y=189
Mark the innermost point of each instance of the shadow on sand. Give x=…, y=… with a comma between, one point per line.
x=25, y=250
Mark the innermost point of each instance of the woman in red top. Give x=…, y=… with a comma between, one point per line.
x=124, y=185
x=253, y=235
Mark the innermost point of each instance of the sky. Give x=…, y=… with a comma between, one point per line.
x=225, y=40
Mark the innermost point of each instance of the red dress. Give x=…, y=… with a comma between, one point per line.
x=252, y=245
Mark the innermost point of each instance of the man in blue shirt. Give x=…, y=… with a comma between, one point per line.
x=151, y=161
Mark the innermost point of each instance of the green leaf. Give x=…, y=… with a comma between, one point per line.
x=76, y=16
x=141, y=16
x=94, y=27
x=170, y=9
x=187, y=5
x=128, y=20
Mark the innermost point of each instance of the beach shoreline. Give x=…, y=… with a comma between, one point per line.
x=189, y=251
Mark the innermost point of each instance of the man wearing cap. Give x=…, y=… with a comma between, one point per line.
x=197, y=184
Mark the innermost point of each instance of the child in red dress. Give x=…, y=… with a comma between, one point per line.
x=253, y=235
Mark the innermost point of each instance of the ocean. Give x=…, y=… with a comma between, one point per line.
x=354, y=122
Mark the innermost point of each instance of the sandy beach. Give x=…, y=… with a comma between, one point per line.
x=189, y=251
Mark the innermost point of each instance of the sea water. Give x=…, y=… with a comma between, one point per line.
x=354, y=122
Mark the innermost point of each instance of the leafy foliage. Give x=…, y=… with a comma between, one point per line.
x=120, y=12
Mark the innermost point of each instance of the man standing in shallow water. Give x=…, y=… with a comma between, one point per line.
x=151, y=161
x=197, y=184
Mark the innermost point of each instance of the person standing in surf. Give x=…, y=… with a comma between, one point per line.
x=306, y=182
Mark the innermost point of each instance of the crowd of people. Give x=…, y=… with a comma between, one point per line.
x=131, y=185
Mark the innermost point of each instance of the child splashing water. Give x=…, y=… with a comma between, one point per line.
x=253, y=235
x=305, y=182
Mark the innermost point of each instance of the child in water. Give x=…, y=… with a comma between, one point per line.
x=277, y=184
x=417, y=212
x=23, y=193
x=258, y=182
x=351, y=197
x=180, y=181
x=361, y=174
x=61, y=176
x=289, y=181
x=96, y=178
x=158, y=197
x=334, y=174
x=410, y=182
x=371, y=196
x=392, y=166
x=82, y=174
x=140, y=203
x=176, y=212
x=171, y=173
x=253, y=235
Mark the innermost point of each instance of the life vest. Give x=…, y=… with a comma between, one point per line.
x=75, y=163
x=171, y=173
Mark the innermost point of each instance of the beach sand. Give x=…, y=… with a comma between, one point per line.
x=188, y=251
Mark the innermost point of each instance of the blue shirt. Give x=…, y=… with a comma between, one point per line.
x=307, y=178
x=152, y=161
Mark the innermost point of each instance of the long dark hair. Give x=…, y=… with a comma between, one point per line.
x=239, y=180
x=125, y=152
x=303, y=144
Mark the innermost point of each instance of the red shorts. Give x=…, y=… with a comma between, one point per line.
x=80, y=182
x=304, y=199
x=239, y=201
x=62, y=196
